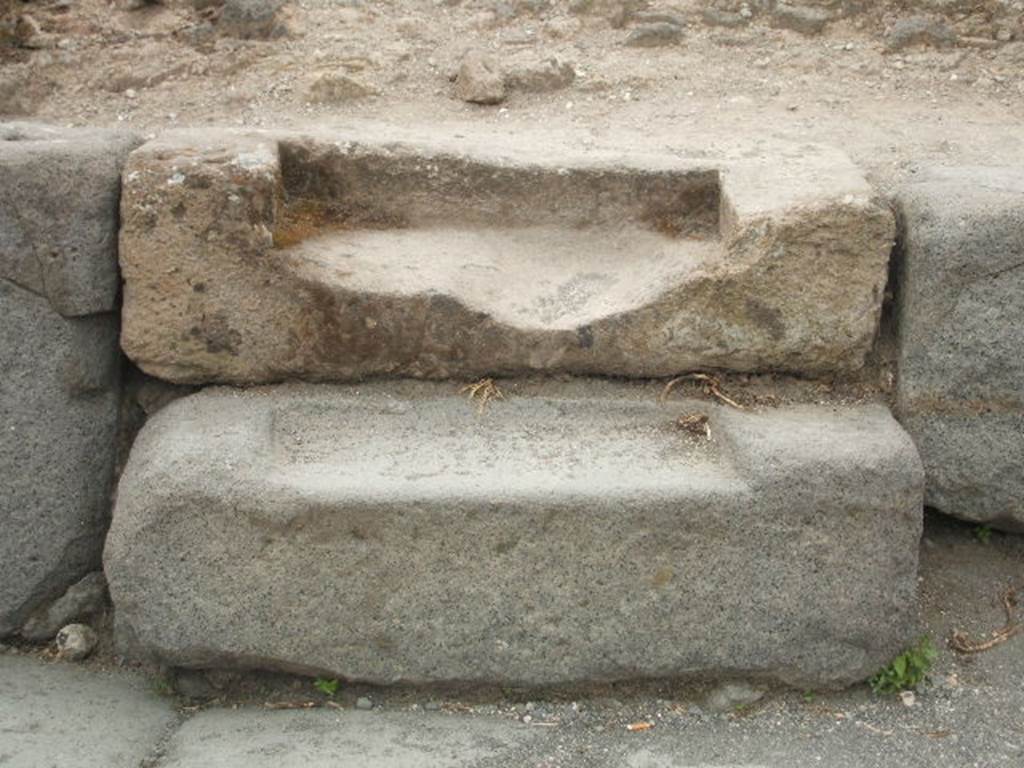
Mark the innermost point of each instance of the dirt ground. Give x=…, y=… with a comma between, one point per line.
x=166, y=65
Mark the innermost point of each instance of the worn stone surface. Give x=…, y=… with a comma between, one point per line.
x=401, y=534
x=331, y=88
x=335, y=256
x=83, y=599
x=919, y=30
x=59, y=193
x=806, y=21
x=541, y=76
x=364, y=739
x=715, y=17
x=961, y=327
x=654, y=35
x=480, y=80
x=253, y=19
x=58, y=407
x=63, y=715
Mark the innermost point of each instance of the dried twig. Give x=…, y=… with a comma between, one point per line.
x=641, y=726
x=710, y=385
x=290, y=705
x=961, y=643
x=483, y=391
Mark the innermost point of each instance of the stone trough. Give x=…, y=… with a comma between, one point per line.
x=256, y=258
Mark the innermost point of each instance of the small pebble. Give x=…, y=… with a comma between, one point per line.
x=364, y=703
x=75, y=642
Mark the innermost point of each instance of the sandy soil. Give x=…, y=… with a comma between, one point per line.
x=164, y=66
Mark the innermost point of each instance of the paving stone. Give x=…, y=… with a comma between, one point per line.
x=59, y=192
x=961, y=328
x=401, y=534
x=254, y=739
x=57, y=714
x=254, y=258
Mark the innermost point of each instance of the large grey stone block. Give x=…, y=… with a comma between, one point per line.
x=59, y=192
x=259, y=257
x=961, y=327
x=58, y=408
x=569, y=533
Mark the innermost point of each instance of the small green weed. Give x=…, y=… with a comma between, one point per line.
x=162, y=686
x=906, y=670
x=808, y=696
x=982, y=533
x=325, y=686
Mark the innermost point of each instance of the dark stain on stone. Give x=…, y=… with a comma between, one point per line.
x=586, y=336
x=768, y=318
x=178, y=211
x=197, y=181
x=504, y=547
x=662, y=577
x=218, y=336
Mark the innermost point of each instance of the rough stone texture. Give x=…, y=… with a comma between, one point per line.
x=654, y=35
x=330, y=88
x=572, y=532
x=63, y=715
x=541, y=76
x=479, y=80
x=58, y=407
x=961, y=326
x=258, y=258
x=83, y=599
x=253, y=19
x=59, y=193
x=715, y=17
x=919, y=30
x=59, y=388
x=806, y=21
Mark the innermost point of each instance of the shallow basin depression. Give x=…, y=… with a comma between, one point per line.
x=535, y=246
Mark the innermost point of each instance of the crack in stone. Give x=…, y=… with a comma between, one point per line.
x=25, y=288
x=1001, y=272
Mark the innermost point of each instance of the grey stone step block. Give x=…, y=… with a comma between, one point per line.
x=59, y=193
x=399, y=534
x=59, y=399
x=338, y=255
x=960, y=303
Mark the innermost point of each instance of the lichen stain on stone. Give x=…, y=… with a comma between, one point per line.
x=217, y=334
x=662, y=576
